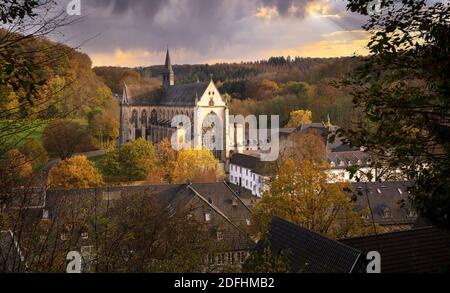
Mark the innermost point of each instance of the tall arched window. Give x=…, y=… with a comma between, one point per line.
x=134, y=118
x=154, y=117
x=144, y=118
x=212, y=134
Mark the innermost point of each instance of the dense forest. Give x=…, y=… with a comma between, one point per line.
x=276, y=86
x=54, y=81
x=62, y=75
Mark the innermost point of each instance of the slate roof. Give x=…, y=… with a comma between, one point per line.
x=342, y=160
x=422, y=250
x=251, y=162
x=176, y=95
x=309, y=252
x=11, y=260
x=388, y=200
x=216, y=197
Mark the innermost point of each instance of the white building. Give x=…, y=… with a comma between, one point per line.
x=249, y=172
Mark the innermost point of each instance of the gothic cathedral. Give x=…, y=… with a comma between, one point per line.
x=150, y=114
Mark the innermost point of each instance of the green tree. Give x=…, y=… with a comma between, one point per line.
x=402, y=91
x=265, y=260
x=133, y=161
x=34, y=152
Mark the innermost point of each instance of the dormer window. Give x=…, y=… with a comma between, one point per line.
x=207, y=217
x=410, y=213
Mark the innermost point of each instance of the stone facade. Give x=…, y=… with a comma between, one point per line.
x=151, y=115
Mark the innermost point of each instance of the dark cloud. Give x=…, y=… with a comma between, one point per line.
x=119, y=7
x=208, y=29
x=284, y=6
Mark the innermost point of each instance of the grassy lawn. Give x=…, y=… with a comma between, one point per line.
x=24, y=131
x=32, y=129
x=96, y=160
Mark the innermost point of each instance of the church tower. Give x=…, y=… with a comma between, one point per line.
x=168, y=75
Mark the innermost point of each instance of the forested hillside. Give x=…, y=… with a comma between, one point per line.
x=61, y=74
x=53, y=81
x=276, y=86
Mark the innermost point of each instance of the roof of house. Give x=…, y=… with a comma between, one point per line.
x=217, y=197
x=388, y=200
x=422, y=250
x=342, y=160
x=251, y=162
x=176, y=95
x=310, y=252
x=11, y=260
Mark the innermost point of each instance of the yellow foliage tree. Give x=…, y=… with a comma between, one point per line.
x=300, y=193
x=197, y=166
x=167, y=160
x=76, y=172
x=300, y=117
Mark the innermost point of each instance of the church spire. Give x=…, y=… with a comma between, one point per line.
x=168, y=75
x=168, y=64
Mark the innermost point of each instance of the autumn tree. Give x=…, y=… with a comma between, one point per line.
x=197, y=166
x=34, y=152
x=15, y=169
x=138, y=234
x=75, y=172
x=167, y=158
x=300, y=117
x=65, y=138
x=301, y=194
x=104, y=127
x=304, y=146
x=402, y=92
x=133, y=161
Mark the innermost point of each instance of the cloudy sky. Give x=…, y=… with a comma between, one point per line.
x=136, y=32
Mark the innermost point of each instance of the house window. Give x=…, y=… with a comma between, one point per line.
x=386, y=213
x=219, y=236
x=211, y=259
x=207, y=217
x=232, y=178
x=221, y=259
x=230, y=258
x=241, y=255
x=84, y=235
